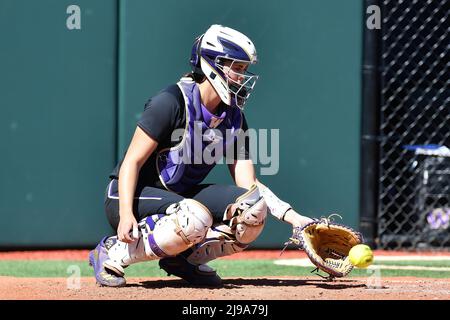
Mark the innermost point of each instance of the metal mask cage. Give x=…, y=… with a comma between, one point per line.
x=240, y=91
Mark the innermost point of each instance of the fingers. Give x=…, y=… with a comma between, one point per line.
x=128, y=232
x=127, y=237
x=124, y=237
x=123, y=234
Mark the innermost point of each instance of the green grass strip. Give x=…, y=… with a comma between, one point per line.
x=419, y=263
x=225, y=268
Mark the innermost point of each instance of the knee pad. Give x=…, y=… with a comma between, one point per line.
x=185, y=225
x=247, y=216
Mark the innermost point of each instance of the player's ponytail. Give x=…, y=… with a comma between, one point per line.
x=199, y=78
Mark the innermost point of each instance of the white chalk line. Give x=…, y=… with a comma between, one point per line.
x=305, y=262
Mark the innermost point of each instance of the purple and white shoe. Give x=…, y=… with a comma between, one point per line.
x=104, y=277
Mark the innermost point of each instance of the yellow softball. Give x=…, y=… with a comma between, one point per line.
x=361, y=256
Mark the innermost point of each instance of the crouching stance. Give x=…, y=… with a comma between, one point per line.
x=185, y=225
x=161, y=174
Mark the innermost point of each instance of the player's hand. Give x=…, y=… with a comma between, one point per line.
x=127, y=224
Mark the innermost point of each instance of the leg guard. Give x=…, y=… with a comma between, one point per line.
x=243, y=222
x=160, y=236
x=247, y=216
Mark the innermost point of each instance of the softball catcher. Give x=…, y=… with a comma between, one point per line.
x=155, y=198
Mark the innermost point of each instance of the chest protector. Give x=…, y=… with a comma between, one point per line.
x=205, y=139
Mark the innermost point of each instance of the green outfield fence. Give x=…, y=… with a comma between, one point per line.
x=72, y=91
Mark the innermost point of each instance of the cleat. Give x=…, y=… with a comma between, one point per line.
x=104, y=277
x=200, y=275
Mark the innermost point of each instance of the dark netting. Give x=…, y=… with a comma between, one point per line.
x=414, y=196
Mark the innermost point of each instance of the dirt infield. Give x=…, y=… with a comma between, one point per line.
x=261, y=288
x=268, y=288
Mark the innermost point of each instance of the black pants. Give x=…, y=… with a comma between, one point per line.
x=152, y=200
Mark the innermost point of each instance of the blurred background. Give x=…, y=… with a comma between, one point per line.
x=363, y=112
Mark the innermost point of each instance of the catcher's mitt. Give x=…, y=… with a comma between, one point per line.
x=327, y=245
